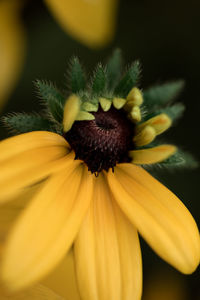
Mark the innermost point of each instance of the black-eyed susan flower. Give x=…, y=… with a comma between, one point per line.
x=86, y=157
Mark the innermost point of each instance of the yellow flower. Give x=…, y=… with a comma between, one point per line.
x=93, y=195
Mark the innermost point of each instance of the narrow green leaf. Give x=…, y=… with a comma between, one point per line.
x=180, y=159
x=77, y=76
x=129, y=80
x=52, y=98
x=114, y=67
x=160, y=95
x=99, y=81
x=21, y=123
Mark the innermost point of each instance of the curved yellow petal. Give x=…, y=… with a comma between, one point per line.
x=63, y=279
x=161, y=218
x=145, y=136
x=152, y=155
x=30, y=167
x=71, y=110
x=90, y=21
x=12, y=50
x=135, y=114
x=160, y=123
x=107, y=251
x=118, y=103
x=47, y=228
x=13, y=146
x=38, y=292
x=11, y=210
x=105, y=103
x=134, y=97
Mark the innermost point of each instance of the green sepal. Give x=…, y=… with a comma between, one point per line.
x=114, y=67
x=129, y=80
x=52, y=97
x=21, y=123
x=174, y=112
x=99, y=81
x=160, y=95
x=180, y=159
x=76, y=76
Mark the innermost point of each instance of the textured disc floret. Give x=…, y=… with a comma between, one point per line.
x=103, y=142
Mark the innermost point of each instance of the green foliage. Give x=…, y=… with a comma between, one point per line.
x=99, y=81
x=114, y=67
x=180, y=159
x=129, y=80
x=160, y=95
x=77, y=76
x=21, y=123
x=174, y=112
x=52, y=97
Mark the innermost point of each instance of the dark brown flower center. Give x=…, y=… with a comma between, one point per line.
x=103, y=142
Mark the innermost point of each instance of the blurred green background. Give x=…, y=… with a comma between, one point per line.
x=164, y=36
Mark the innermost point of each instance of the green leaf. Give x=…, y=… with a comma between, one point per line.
x=114, y=67
x=129, y=80
x=52, y=98
x=174, y=112
x=21, y=123
x=77, y=76
x=160, y=95
x=180, y=159
x=99, y=81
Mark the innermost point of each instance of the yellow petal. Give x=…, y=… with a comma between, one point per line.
x=29, y=141
x=160, y=123
x=161, y=218
x=91, y=22
x=37, y=292
x=11, y=210
x=88, y=106
x=107, y=251
x=71, y=110
x=118, y=103
x=30, y=167
x=12, y=50
x=145, y=136
x=135, y=114
x=84, y=116
x=63, y=279
x=152, y=155
x=135, y=97
x=105, y=103
x=47, y=228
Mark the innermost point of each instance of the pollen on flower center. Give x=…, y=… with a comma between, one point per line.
x=103, y=142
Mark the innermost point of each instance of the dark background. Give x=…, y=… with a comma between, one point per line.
x=164, y=35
